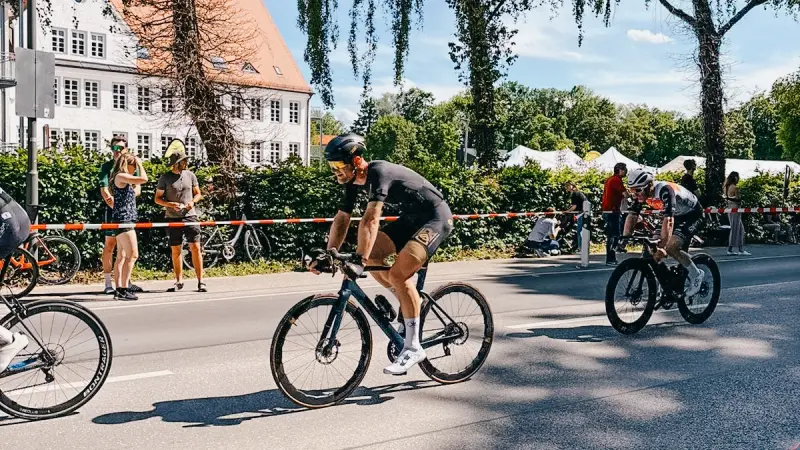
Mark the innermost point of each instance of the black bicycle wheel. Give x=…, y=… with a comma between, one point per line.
x=69, y=374
x=633, y=276
x=21, y=276
x=295, y=357
x=453, y=307
x=256, y=245
x=700, y=306
x=211, y=246
x=59, y=259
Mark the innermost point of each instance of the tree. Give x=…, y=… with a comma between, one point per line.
x=367, y=116
x=591, y=120
x=331, y=126
x=761, y=112
x=414, y=104
x=440, y=135
x=709, y=24
x=786, y=92
x=739, y=136
x=392, y=138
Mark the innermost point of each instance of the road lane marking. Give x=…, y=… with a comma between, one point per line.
x=82, y=384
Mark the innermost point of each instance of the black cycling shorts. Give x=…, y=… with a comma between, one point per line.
x=687, y=225
x=429, y=229
x=176, y=234
x=15, y=227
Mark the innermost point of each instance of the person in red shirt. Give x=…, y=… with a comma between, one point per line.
x=613, y=193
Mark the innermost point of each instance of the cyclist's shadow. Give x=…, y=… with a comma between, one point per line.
x=233, y=410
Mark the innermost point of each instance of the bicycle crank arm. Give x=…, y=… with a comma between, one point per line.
x=445, y=339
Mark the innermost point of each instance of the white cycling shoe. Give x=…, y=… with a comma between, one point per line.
x=697, y=283
x=9, y=351
x=408, y=358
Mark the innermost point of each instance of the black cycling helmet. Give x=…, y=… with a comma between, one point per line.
x=344, y=147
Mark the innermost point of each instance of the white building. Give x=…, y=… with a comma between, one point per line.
x=99, y=92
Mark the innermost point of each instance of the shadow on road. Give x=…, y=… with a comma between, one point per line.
x=233, y=410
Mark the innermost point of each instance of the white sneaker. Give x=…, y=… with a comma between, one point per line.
x=745, y=253
x=9, y=351
x=408, y=358
x=696, y=284
x=733, y=253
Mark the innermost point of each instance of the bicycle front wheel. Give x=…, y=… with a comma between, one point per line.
x=256, y=245
x=21, y=275
x=456, y=309
x=67, y=360
x=59, y=259
x=630, y=296
x=304, y=371
x=210, y=249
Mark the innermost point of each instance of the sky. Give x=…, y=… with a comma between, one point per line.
x=645, y=56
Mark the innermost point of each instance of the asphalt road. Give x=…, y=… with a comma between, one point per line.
x=192, y=371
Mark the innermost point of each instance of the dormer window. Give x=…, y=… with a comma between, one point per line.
x=219, y=63
x=142, y=53
x=248, y=68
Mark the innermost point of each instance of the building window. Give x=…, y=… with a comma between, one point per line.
x=192, y=148
x=55, y=138
x=248, y=68
x=256, y=150
x=275, y=110
x=91, y=140
x=294, y=148
x=120, y=92
x=255, y=109
x=274, y=152
x=165, y=141
x=236, y=107
x=278, y=70
x=143, y=145
x=78, y=39
x=167, y=101
x=71, y=92
x=294, y=112
x=239, y=155
x=59, y=40
x=98, y=45
x=142, y=53
x=72, y=137
x=143, y=99
x=55, y=91
x=219, y=63
x=91, y=94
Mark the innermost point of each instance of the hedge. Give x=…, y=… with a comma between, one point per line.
x=69, y=193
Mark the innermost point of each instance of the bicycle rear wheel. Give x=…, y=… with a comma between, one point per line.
x=43, y=384
x=211, y=246
x=699, y=307
x=453, y=308
x=59, y=259
x=21, y=275
x=637, y=305
x=302, y=372
x=256, y=245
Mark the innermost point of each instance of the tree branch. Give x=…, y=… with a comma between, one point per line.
x=750, y=5
x=679, y=13
x=496, y=11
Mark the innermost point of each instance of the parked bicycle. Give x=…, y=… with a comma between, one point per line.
x=648, y=285
x=63, y=366
x=57, y=262
x=215, y=244
x=317, y=364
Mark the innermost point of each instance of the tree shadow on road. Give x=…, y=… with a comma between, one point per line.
x=233, y=410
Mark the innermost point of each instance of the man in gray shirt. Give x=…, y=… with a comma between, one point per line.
x=178, y=191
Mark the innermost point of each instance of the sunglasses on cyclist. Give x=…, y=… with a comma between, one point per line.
x=336, y=165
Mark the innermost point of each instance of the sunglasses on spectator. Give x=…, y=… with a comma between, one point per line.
x=117, y=148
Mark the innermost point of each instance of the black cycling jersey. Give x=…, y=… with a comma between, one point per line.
x=14, y=224
x=394, y=185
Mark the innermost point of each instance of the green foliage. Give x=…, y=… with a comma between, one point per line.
x=762, y=113
x=330, y=126
x=739, y=136
x=392, y=138
x=787, y=97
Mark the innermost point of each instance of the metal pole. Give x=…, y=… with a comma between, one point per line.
x=5, y=56
x=32, y=200
x=21, y=43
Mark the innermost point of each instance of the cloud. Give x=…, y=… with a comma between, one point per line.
x=556, y=39
x=628, y=78
x=648, y=37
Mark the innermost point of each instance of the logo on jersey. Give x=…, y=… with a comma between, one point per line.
x=655, y=203
x=426, y=236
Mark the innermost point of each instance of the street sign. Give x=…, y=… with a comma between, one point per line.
x=35, y=72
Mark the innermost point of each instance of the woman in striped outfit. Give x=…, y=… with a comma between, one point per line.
x=732, y=196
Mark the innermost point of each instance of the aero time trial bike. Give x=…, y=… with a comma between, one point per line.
x=639, y=286
x=68, y=356
x=322, y=347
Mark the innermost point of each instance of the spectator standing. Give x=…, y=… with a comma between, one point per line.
x=613, y=193
x=542, y=238
x=178, y=191
x=119, y=146
x=736, y=238
x=687, y=180
x=124, y=180
x=577, y=198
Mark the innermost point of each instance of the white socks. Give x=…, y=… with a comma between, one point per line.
x=412, y=334
x=108, y=279
x=6, y=337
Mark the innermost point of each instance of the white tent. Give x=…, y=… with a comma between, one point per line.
x=747, y=168
x=610, y=158
x=547, y=160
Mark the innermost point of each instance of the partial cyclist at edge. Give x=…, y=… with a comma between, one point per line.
x=15, y=226
x=682, y=217
x=424, y=223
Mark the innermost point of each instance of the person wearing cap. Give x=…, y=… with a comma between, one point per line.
x=119, y=145
x=178, y=191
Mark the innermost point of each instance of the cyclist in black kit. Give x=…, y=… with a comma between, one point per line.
x=424, y=223
x=14, y=229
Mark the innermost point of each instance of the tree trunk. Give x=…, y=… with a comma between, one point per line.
x=481, y=85
x=711, y=101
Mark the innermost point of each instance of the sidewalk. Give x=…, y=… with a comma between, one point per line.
x=441, y=272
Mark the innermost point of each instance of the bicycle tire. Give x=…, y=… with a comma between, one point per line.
x=210, y=259
x=32, y=270
x=105, y=353
x=261, y=244
x=427, y=366
x=73, y=264
x=683, y=303
x=278, y=364
x=636, y=265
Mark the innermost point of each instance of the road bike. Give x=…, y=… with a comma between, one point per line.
x=214, y=244
x=329, y=336
x=64, y=365
x=648, y=285
x=57, y=262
